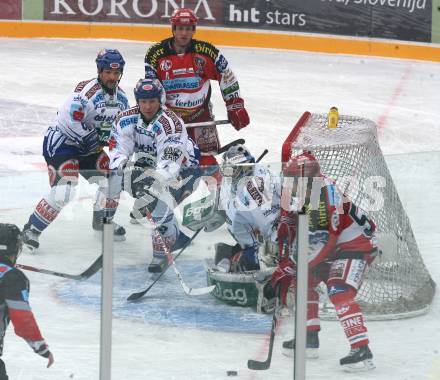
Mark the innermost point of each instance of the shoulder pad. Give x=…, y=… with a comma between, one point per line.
x=205, y=48
x=80, y=86
x=92, y=91
x=157, y=51
x=131, y=111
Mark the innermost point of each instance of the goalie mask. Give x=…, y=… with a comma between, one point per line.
x=238, y=162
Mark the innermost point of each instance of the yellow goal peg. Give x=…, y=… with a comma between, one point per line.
x=333, y=118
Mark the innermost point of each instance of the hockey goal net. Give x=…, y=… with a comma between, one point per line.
x=398, y=284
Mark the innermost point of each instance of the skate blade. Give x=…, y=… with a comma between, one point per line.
x=29, y=249
x=363, y=366
x=311, y=353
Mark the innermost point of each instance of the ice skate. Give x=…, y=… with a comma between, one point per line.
x=312, y=346
x=30, y=238
x=118, y=231
x=358, y=359
x=158, y=264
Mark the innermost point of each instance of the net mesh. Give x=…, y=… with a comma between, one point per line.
x=398, y=284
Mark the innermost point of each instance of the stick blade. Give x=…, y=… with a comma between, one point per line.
x=199, y=291
x=135, y=296
x=258, y=366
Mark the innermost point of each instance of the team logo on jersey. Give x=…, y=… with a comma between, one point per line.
x=166, y=65
x=221, y=63
x=199, y=63
x=77, y=112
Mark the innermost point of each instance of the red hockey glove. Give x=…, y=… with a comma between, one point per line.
x=237, y=114
x=286, y=230
x=284, y=276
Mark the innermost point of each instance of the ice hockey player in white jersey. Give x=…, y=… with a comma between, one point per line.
x=73, y=145
x=252, y=206
x=166, y=164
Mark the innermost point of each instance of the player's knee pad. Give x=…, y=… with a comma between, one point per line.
x=62, y=193
x=165, y=235
x=64, y=172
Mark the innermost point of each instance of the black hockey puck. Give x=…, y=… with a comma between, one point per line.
x=232, y=373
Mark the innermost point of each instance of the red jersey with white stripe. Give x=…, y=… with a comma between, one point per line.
x=337, y=227
x=186, y=77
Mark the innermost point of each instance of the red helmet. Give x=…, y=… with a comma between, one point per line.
x=183, y=16
x=303, y=165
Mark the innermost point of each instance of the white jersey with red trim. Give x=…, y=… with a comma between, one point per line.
x=162, y=143
x=253, y=208
x=337, y=227
x=87, y=111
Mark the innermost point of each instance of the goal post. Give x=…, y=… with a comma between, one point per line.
x=398, y=285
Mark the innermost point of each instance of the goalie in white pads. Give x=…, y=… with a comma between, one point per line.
x=342, y=245
x=251, y=205
x=250, y=198
x=166, y=165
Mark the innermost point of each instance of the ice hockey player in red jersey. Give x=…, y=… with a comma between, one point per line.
x=342, y=245
x=185, y=67
x=14, y=297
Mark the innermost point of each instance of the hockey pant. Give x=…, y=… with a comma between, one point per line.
x=343, y=278
x=63, y=178
x=207, y=140
x=161, y=208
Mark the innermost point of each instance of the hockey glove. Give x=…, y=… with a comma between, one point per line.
x=41, y=348
x=90, y=143
x=286, y=230
x=237, y=114
x=245, y=260
x=285, y=276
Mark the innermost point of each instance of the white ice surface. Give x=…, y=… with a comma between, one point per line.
x=401, y=96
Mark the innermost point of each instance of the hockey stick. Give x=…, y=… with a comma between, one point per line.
x=255, y=364
x=89, y=272
x=189, y=291
x=265, y=151
x=137, y=295
x=224, y=148
x=207, y=123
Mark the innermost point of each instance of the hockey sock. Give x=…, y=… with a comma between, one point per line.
x=45, y=213
x=350, y=315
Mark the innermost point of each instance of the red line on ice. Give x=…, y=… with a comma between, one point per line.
x=381, y=122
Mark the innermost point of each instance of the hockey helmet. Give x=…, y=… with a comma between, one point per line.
x=183, y=16
x=237, y=162
x=148, y=89
x=302, y=165
x=110, y=59
x=10, y=240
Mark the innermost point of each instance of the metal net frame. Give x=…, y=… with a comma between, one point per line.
x=397, y=285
